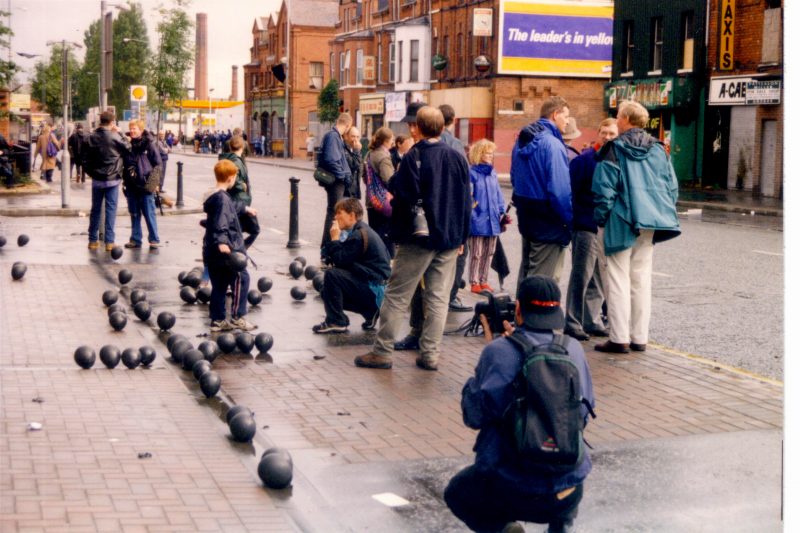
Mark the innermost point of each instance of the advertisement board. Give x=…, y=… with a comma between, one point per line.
x=556, y=38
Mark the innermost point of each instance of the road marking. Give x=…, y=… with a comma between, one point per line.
x=390, y=499
x=273, y=230
x=662, y=275
x=766, y=253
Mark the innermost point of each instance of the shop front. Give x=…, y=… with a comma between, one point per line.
x=675, y=118
x=371, y=108
x=267, y=119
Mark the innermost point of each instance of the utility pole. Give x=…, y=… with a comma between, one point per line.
x=65, y=163
x=286, y=148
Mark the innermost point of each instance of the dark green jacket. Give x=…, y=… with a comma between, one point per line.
x=241, y=190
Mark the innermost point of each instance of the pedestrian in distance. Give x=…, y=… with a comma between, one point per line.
x=140, y=163
x=223, y=236
x=47, y=145
x=360, y=267
x=103, y=161
x=635, y=197
x=505, y=484
x=430, y=221
x=352, y=151
x=164, y=148
x=242, y=192
x=75, y=145
x=488, y=214
x=585, y=290
x=402, y=144
x=332, y=159
x=540, y=179
x=379, y=167
x=311, y=142
x=571, y=132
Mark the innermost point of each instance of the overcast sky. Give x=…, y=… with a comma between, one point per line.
x=34, y=22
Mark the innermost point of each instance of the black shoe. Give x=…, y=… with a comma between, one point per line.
x=324, y=327
x=577, y=335
x=612, y=347
x=426, y=364
x=458, y=307
x=597, y=332
x=410, y=342
x=636, y=347
x=370, y=323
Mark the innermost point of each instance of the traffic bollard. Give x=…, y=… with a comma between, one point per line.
x=294, y=218
x=179, y=199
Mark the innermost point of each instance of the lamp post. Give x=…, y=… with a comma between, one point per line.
x=286, y=115
x=211, y=90
x=106, y=49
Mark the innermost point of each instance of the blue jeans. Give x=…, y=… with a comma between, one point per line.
x=110, y=196
x=138, y=205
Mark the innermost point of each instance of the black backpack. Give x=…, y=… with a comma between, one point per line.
x=545, y=418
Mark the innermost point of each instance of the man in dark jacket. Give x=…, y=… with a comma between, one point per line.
x=332, y=159
x=357, y=279
x=585, y=292
x=540, y=178
x=102, y=160
x=430, y=221
x=499, y=489
x=241, y=190
x=352, y=152
x=75, y=145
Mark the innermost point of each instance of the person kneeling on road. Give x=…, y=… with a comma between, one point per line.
x=505, y=484
x=357, y=279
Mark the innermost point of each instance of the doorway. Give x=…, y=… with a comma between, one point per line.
x=769, y=141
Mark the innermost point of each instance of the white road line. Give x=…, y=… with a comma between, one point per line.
x=662, y=275
x=273, y=230
x=762, y=252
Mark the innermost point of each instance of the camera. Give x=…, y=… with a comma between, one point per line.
x=499, y=307
x=420, y=223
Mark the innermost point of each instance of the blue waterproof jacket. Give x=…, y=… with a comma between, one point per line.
x=581, y=170
x=635, y=189
x=488, y=205
x=332, y=157
x=540, y=178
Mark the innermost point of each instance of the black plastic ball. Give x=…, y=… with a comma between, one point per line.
x=22, y=240
x=138, y=295
x=188, y=295
x=148, y=355
x=165, y=320
x=254, y=297
x=110, y=297
x=190, y=357
x=243, y=427
x=298, y=293
x=275, y=471
x=193, y=279
x=245, y=342
x=226, y=342
x=2, y=241
x=318, y=281
x=296, y=269
x=199, y=368
x=311, y=271
x=18, y=270
x=182, y=277
x=210, y=383
x=118, y=321
x=302, y=260
x=237, y=261
x=264, y=284
x=175, y=337
x=263, y=342
x=109, y=355
x=124, y=276
x=85, y=357
x=235, y=410
x=204, y=295
x=283, y=452
x=116, y=308
x=142, y=311
x=131, y=357
x=179, y=349
x=116, y=252
x=210, y=350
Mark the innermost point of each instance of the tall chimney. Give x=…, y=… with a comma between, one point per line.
x=201, y=57
x=234, y=82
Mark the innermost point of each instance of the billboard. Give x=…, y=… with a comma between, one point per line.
x=556, y=38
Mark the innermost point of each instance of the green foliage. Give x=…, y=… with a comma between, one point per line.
x=87, y=80
x=175, y=55
x=46, y=84
x=328, y=102
x=7, y=68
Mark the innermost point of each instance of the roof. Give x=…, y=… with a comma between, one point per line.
x=314, y=12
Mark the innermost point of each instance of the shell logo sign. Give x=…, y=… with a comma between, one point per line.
x=138, y=93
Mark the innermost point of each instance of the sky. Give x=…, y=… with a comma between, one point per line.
x=34, y=22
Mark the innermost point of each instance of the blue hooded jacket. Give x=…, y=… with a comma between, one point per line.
x=332, y=157
x=540, y=178
x=488, y=205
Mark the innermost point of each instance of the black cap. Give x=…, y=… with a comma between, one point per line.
x=540, y=303
x=411, y=111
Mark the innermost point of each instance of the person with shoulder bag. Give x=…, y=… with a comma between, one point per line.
x=141, y=178
x=333, y=171
x=379, y=170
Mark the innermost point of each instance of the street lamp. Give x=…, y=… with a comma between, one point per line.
x=106, y=45
x=209, y=107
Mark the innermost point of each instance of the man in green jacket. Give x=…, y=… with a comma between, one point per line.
x=241, y=191
x=635, y=194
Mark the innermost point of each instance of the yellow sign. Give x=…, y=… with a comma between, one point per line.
x=369, y=68
x=138, y=93
x=726, y=33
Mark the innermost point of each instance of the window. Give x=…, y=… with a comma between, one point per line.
x=435, y=49
x=392, y=49
x=379, y=62
x=333, y=65
x=414, y=61
x=341, y=69
x=316, y=71
x=518, y=105
x=347, y=67
x=687, y=43
x=459, y=54
x=627, y=46
x=446, y=52
x=469, y=54
x=383, y=5
x=359, y=66
x=657, y=43
x=400, y=62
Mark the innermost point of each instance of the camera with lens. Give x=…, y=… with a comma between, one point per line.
x=499, y=307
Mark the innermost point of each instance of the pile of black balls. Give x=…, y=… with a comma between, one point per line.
x=111, y=356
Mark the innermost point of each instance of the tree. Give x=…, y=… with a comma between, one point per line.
x=175, y=55
x=328, y=102
x=7, y=68
x=87, y=79
x=46, y=84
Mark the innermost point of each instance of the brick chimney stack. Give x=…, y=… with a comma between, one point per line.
x=201, y=57
x=234, y=82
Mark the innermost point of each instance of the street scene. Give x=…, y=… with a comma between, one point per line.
x=128, y=403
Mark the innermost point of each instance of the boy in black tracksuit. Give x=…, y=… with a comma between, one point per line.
x=223, y=237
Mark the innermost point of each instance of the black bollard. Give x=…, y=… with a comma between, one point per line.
x=294, y=221
x=179, y=199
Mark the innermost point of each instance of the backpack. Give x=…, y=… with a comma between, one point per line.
x=545, y=418
x=377, y=196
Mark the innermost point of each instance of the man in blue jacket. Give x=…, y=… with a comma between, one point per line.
x=540, y=178
x=497, y=490
x=332, y=159
x=635, y=196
